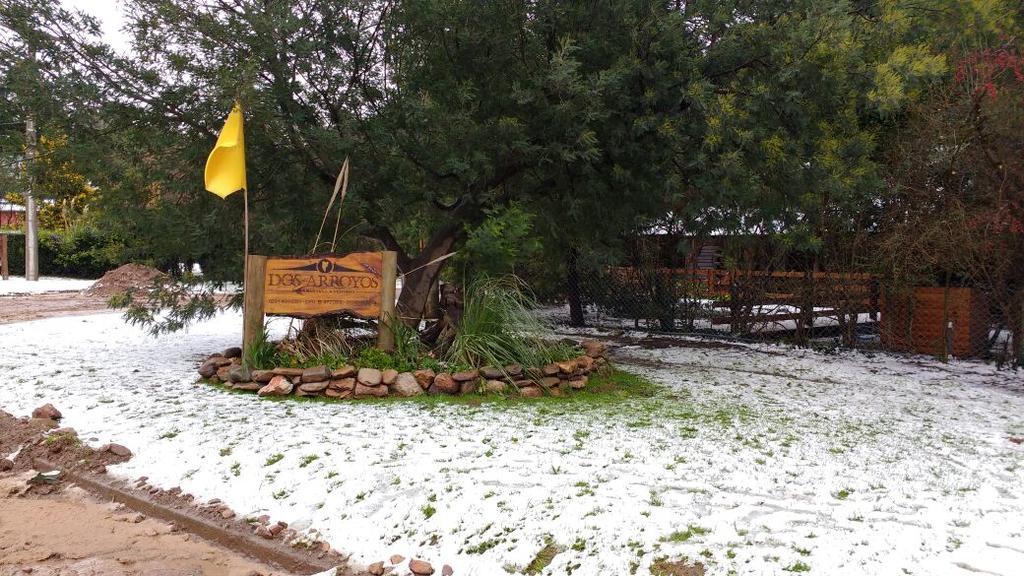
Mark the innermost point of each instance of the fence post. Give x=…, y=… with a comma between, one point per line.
x=5, y=272
x=252, y=310
x=389, y=275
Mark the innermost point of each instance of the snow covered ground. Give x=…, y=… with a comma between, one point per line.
x=754, y=460
x=18, y=285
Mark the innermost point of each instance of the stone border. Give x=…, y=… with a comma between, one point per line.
x=349, y=382
x=232, y=535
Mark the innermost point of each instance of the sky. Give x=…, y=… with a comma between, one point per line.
x=110, y=15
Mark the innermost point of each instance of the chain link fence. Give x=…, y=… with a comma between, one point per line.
x=810, y=308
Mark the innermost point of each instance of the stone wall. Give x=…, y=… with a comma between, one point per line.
x=356, y=383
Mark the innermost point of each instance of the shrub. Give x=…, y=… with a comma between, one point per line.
x=80, y=252
x=499, y=327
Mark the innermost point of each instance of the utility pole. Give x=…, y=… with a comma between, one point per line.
x=31, y=218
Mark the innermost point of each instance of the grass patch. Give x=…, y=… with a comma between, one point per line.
x=274, y=459
x=543, y=558
x=685, y=535
x=797, y=567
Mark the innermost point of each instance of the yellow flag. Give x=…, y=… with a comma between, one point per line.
x=225, y=168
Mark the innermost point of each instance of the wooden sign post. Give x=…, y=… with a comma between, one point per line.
x=360, y=284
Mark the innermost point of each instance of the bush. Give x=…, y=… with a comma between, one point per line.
x=500, y=327
x=80, y=252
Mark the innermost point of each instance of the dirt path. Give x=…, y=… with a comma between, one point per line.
x=36, y=306
x=37, y=537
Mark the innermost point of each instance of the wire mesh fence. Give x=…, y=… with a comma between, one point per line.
x=847, y=309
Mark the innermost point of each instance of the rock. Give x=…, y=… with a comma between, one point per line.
x=567, y=367
x=376, y=569
x=6, y=465
x=550, y=370
x=531, y=392
x=342, y=384
x=289, y=372
x=444, y=384
x=43, y=423
x=549, y=382
x=494, y=386
x=491, y=373
x=447, y=570
x=233, y=352
x=389, y=376
x=262, y=376
x=314, y=387
x=466, y=375
x=420, y=568
x=227, y=513
x=406, y=386
x=317, y=374
x=469, y=386
x=555, y=392
x=338, y=394
x=223, y=373
x=594, y=348
x=343, y=372
x=364, y=391
x=209, y=368
x=396, y=559
x=578, y=383
x=117, y=450
x=239, y=374
x=369, y=376
x=524, y=383
x=296, y=380
x=47, y=411
x=278, y=386
x=585, y=363
x=514, y=370
x=264, y=532
x=247, y=386
x=424, y=377
x=277, y=528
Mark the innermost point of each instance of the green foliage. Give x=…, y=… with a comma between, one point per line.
x=500, y=327
x=82, y=251
x=261, y=353
x=502, y=241
x=169, y=304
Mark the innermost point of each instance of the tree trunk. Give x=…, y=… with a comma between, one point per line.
x=419, y=279
x=572, y=287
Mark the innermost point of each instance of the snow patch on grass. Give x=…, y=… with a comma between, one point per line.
x=737, y=461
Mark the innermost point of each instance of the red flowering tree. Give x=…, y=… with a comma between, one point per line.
x=956, y=208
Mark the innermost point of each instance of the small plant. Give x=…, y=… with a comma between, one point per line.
x=307, y=460
x=274, y=459
x=260, y=354
x=797, y=567
x=428, y=510
x=499, y=327
x=843, y=494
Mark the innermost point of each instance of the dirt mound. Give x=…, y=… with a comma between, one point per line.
x=127, y=277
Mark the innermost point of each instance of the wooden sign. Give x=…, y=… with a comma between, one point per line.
x=359, y=284
x=330, y=284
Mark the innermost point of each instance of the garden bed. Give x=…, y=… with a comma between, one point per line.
x=343, y=380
